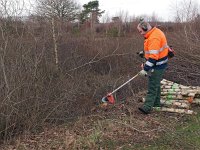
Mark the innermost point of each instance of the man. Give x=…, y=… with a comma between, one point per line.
x=156, y=56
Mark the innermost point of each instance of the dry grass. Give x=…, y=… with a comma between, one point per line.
x=113, y=127
x=33, y=91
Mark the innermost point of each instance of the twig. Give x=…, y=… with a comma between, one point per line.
x=133, y=128
x=95, y=61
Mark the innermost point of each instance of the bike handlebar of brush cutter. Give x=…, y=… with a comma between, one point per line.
x=110, y=98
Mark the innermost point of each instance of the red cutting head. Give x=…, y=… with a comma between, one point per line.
x=110, y=98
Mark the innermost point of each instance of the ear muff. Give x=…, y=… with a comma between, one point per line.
x=144, y=26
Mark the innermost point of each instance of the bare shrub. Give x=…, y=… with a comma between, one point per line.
x=34, y=90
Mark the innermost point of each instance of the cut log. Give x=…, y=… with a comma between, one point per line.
x=171, y=90
x=191, y=94
x=196, y=101
x=185, y=111
x=169, y=96
x=174, y=100
x=175, y=104
x=173, y=93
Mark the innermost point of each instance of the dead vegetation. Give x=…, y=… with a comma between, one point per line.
x=36, y=90
x=114, y=127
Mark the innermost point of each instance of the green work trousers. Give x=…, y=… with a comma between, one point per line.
x=154, y=90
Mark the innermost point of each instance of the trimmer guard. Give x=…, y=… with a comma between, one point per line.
x=108, y=99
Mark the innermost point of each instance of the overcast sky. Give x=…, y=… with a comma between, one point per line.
x=162, y=8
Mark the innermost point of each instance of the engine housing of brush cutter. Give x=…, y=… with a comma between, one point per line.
x=108, y=99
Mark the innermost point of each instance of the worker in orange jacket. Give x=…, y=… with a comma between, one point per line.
x=156, y=56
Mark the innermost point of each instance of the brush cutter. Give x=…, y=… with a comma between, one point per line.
x=109, y=98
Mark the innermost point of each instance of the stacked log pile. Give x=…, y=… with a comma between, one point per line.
x=178, y=98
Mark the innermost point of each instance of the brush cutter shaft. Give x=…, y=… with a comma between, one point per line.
x=123, y=84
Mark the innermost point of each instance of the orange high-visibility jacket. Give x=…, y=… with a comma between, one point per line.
x=156, y=50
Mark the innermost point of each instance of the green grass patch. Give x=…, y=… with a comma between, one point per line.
x=186, y=136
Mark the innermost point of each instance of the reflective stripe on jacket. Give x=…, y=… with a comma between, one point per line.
x=155, y=49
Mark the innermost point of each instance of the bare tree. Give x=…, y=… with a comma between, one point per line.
x=62, y=9
x=154, y=17
x=10, y=8
x=185, y=10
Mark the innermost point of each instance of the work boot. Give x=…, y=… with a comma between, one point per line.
x=143, y=110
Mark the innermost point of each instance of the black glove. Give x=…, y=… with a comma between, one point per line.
x=171, y=52
x=141, y=54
